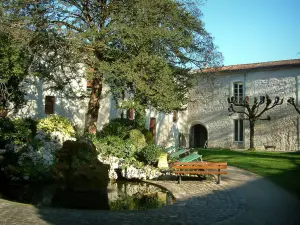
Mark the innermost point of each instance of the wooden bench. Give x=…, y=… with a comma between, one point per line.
x=197, y=168
x=269, y=146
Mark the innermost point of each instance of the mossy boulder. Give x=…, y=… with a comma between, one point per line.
x=78, y=167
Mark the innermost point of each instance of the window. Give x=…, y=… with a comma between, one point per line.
x=153, y=127
x=238, y=92
x=130, y=114
x=239, y=130
x=49, y=104
x=175, y=117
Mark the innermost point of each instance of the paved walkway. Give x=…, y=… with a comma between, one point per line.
x=242, y=198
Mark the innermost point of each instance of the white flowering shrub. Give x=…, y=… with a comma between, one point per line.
x=37, y=158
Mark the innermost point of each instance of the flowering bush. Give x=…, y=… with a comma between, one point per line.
x=56, y=123
x=30, y=161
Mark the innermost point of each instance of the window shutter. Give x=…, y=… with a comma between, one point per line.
x=49, y=104
x=175, y=117
x=130, y=114
x=153, y=127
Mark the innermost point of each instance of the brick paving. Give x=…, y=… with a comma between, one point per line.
x=241, y=198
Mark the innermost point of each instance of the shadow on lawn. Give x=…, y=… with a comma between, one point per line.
x=281, y=168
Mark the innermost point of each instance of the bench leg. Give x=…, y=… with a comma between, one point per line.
x=219, y=178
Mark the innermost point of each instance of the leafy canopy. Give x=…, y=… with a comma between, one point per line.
x=143, y=48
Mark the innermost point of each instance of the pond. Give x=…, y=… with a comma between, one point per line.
x=121, y=195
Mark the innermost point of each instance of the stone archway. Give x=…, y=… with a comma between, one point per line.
x=198, y=136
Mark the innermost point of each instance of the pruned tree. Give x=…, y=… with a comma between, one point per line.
x=292, y=102
x=143, y=48
x=254, y=112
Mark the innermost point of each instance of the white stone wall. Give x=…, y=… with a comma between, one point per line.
x=108, y=108
x=37, y=90
x=209, y=107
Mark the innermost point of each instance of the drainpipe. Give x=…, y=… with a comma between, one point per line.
x=245, y=74
x=298, y=119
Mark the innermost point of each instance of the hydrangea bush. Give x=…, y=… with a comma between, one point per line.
x=37, y=158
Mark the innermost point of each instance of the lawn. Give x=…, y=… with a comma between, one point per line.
x=283, y=168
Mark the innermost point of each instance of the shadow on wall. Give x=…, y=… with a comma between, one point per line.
x=167, y=132
x=246, y=199
x=35, y=107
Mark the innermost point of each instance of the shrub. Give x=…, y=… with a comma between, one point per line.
x=6, y=127
x=55, y=123
x=36, y=159
x=31, y=161
x=148, y=136
x=118, y=127
x=115, y=146
x=137, y=138
x=16, y=131
x=150, y=154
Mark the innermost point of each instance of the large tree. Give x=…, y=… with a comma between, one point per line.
x=13, y=66
x=144, y=49
x=253, y=113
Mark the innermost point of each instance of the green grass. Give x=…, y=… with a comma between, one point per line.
x=283, y=168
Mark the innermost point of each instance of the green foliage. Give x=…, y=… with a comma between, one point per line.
x=115, y=146
x=16, y=131
x=148, y=136
x=54, y=123
x=119, y=127
x=13, y=63
x=137, y=202
x=149, y=56
x=150, y=154
x=137, y=138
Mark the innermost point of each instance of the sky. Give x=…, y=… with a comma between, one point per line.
x=249, y=31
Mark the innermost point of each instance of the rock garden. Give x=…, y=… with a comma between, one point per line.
x=47, y=162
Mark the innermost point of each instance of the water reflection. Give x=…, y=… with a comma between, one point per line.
x=121, y=195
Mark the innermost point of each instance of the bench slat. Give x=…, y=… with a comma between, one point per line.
x=200, y=167
x=199, y=172
x=206, y=163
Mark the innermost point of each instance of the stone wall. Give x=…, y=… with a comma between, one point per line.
x=209, y=108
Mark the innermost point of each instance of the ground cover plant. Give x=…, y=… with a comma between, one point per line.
x=283, y=168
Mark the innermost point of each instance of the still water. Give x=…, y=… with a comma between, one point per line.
x=121, y=195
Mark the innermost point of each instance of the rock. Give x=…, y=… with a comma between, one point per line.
x=79, y=168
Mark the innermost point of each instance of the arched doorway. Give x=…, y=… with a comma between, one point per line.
x=198, y=136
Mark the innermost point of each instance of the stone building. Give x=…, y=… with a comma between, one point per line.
x=206, y=121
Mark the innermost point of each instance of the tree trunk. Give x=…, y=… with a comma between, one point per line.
x=94, y=105
x=252, y=134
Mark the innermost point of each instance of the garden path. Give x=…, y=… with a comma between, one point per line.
x=241, y=198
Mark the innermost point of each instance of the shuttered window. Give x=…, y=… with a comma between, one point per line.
x=153, y=127
x=175, y=117
x=239, y=130
x=130, y=114
x=49, y=104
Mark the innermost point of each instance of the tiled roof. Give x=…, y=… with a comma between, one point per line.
x=253, y=66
